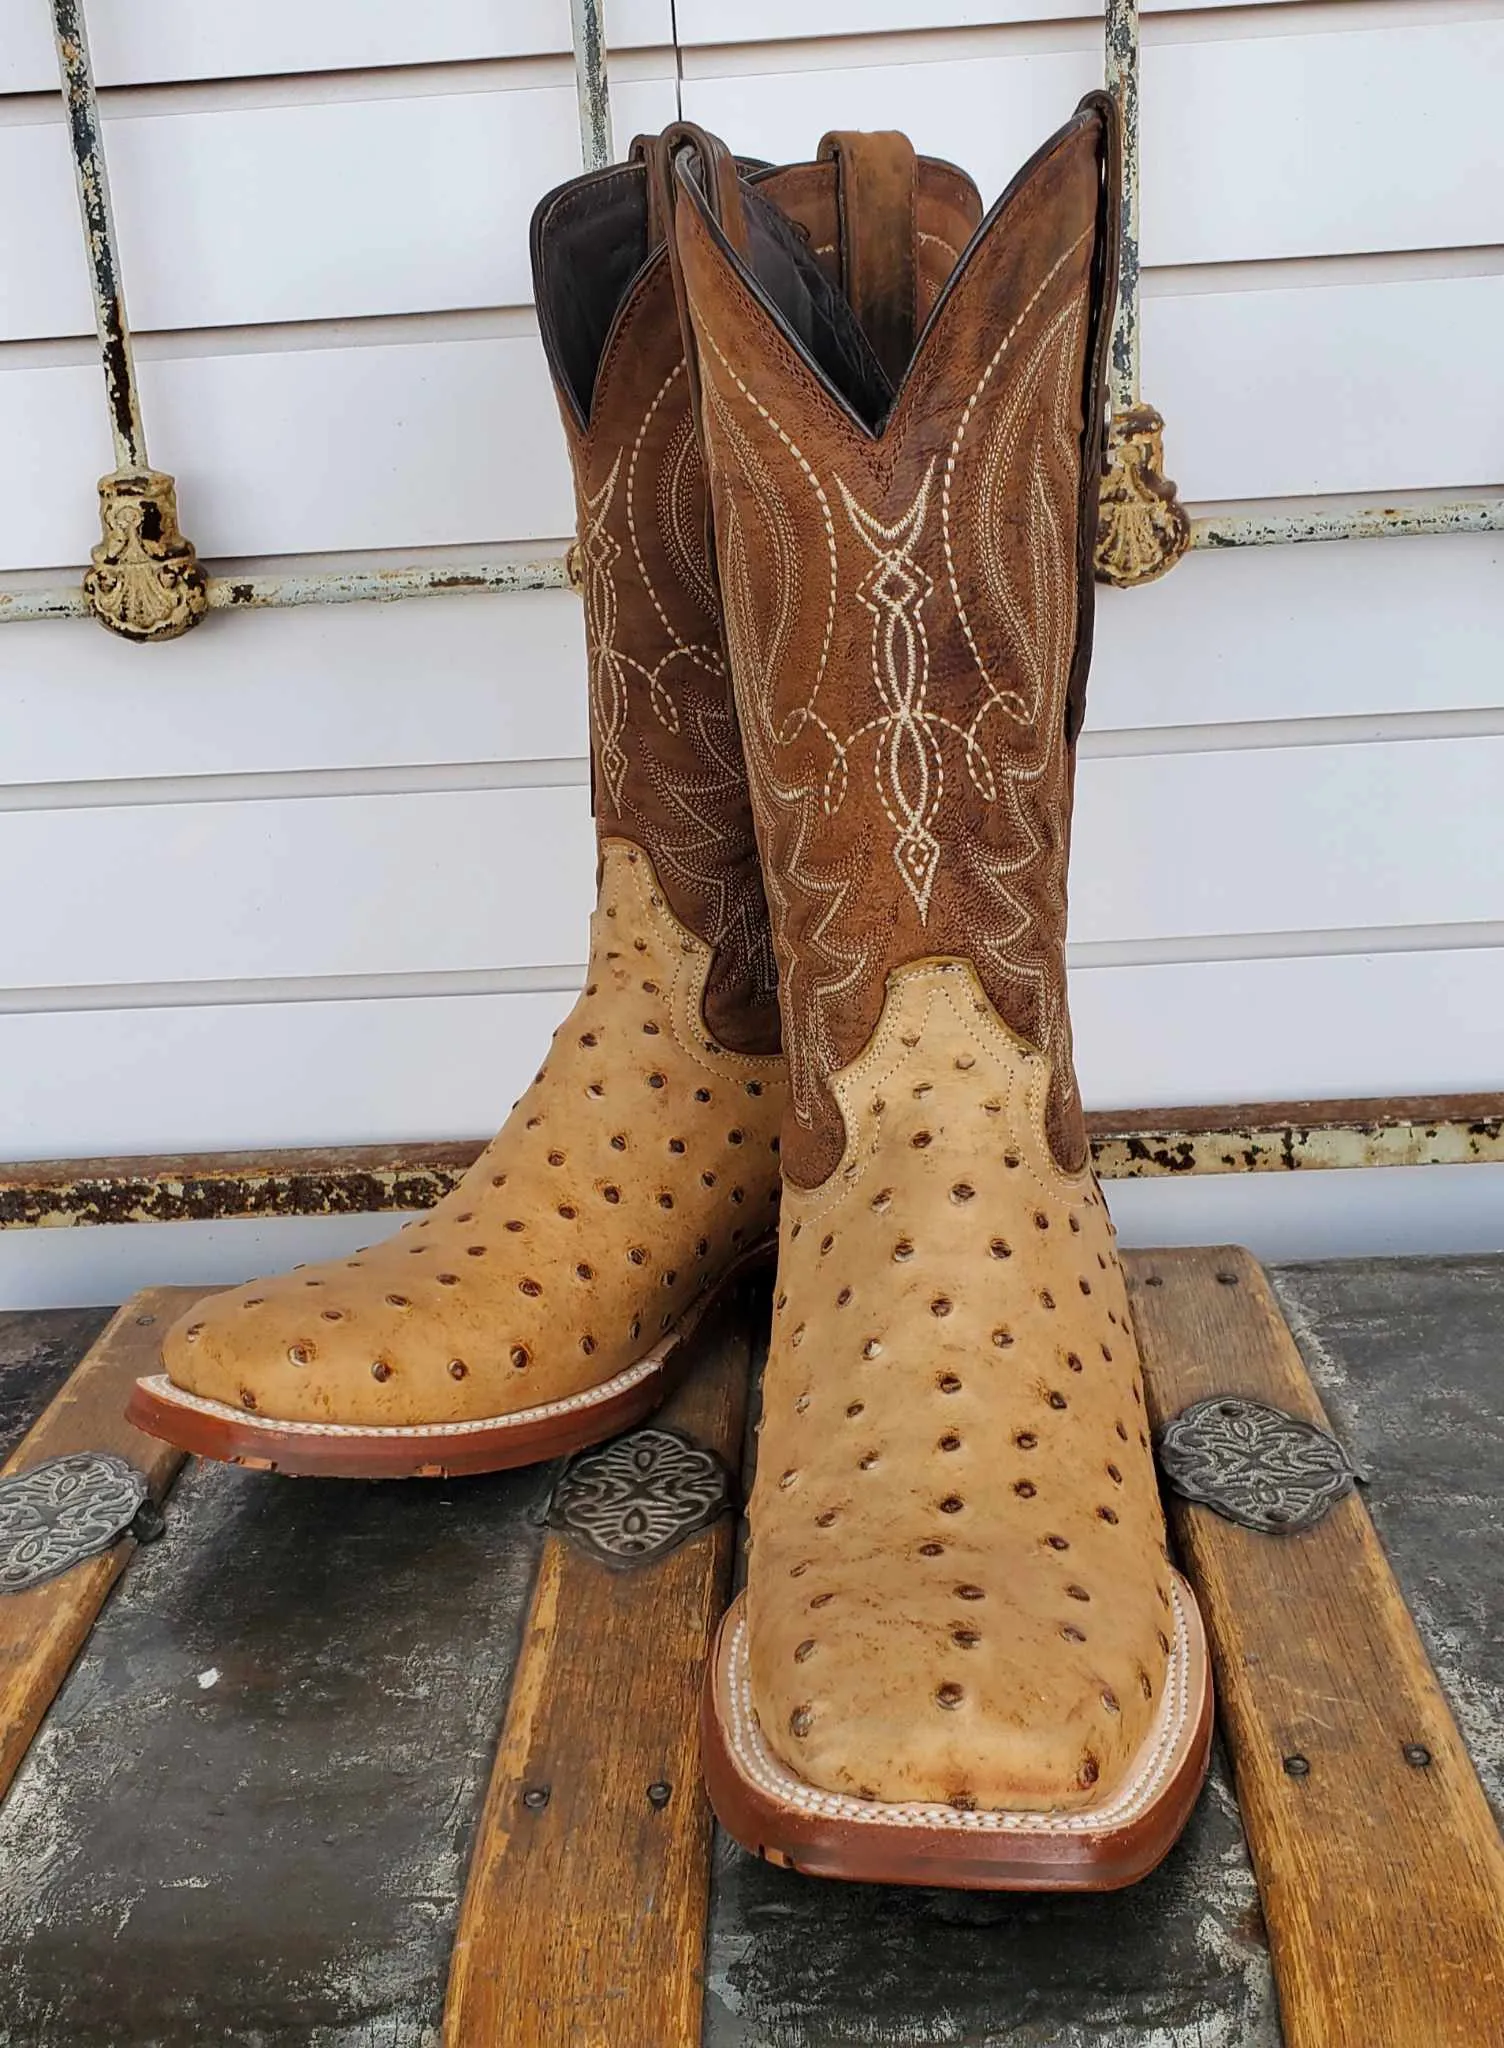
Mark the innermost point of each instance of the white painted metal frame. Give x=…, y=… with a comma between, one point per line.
x=1314, y=523
x=1368, y=522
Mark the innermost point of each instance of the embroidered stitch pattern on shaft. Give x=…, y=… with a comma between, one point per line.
x=961, y=567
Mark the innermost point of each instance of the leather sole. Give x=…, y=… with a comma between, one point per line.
x=779, y=1816
x=495, y=1443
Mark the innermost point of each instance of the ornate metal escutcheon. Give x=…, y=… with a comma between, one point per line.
x=1255, y=1465
x=66, y=1509
x=1142, y=527
x=630, y=1502
x=145, y=582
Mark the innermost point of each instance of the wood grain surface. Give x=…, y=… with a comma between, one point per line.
x=583, y=1925
x=42, y=1629
x=1378, y=1859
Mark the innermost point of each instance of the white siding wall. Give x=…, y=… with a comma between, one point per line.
x=322, y=875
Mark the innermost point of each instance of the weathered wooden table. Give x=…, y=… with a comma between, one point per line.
x=249, y=1812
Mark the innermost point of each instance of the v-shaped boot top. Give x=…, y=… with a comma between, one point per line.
x=908, y=603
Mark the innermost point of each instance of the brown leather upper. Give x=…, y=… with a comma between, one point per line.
x=958, y=1590
x=665, y=756
x=910, y=625
x=667, y=763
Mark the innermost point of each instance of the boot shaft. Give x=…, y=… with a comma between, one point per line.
x=906, y=582
x=666, y=755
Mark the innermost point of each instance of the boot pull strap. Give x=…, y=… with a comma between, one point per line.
x=876, y=184
x=648, y=151
x=717, y=175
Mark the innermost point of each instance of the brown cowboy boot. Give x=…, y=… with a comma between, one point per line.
x=962, y=1656
x=543, y=1304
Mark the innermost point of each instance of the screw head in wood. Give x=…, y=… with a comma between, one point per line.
x=535, y=1798
x=1297, y=1767
x=659, y=1795
x=1416, y=1753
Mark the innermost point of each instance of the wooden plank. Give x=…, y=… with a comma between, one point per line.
x=43, y=1629
x=246, y=1818
x=1343, y=630
x=584, y=1922
x=1379, y=1863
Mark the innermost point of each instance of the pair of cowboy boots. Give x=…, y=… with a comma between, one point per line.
x=835, y=693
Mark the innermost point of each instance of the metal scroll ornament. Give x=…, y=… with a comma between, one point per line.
x=145, y=582
x=66, y=1509
x=1255, y=1465
x=634, y=1500
x=1142, y=527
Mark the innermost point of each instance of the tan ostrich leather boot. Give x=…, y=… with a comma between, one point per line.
x=543, y=1304
x=962, y=1656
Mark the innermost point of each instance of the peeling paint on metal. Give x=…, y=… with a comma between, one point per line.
x=328, y=586
x=588, y=31
x=384, y=586
x=1374, y=522
x=99, y=233
x=1122, y=83
x=354, y=1180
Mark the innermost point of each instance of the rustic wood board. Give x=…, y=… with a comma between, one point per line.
x=1379, y=1861
x=38, y=1349
x=42, y=1629
x=246, y=1819
x=584, y=1922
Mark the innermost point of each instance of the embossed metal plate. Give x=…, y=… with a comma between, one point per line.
x=1255, y=1464
x=64, y=1510
x=630, y=1502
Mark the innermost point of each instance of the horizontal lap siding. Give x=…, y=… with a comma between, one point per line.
x=1254, y=146
x=199, y=1077
x=394, y=205
x=318, y=212
x=1169, y=850
x=183, y=39
x=321, y=876
x=1236, y=638
x=424, y=444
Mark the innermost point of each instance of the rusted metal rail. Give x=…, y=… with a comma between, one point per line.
x=351, y=1180
x=1144, y=530
x=330, y=586
x=588, y=32
x=144, y=581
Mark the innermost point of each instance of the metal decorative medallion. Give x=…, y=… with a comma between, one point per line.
x=1255, y=1464
x=632, y=1501
x=67, y=1509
